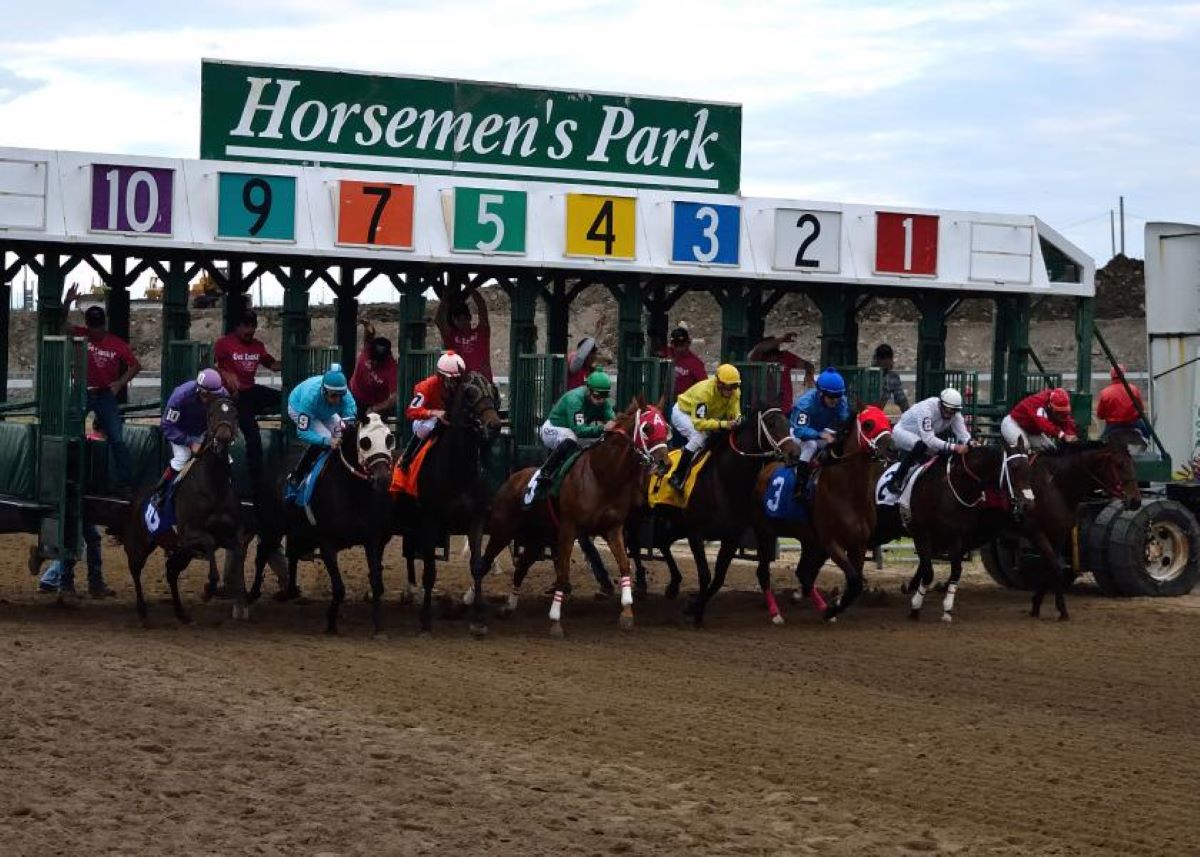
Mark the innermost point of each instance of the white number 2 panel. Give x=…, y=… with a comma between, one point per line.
x=808, y=240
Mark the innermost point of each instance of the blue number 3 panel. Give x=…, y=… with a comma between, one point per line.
x=706, y=234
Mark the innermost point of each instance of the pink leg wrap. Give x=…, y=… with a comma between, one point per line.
x=772, y=606
x=818, y=600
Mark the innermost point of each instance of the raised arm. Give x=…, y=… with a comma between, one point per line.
x=481, y=312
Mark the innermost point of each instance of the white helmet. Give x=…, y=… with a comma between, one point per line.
x=451, y=365
x=951, y=398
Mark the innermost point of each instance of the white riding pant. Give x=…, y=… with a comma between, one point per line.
x=553, y=436
x=181, y=454
x=904, y=440
x=424, y=428
x=1013, y=433
x=682, y=423
x=328, y=430
x=809, y=448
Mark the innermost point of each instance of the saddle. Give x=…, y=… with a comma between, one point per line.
x=660, y=493
x=543, y=486
x=160, y=518
x=302, y=496
x=407, y=481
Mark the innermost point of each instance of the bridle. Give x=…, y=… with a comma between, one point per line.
x=1005, y=480
x=1115, y=488
x=866, y=445
x=642, y=417
x=227, y=418
x=485, y=401
x=361, y=468
x=776, y=446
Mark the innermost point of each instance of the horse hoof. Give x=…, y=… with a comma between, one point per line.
x=671, y=593
x=556, y=630
x=468, y=597
x=914, y=615
x=185, y=619
x=946, y=617
x=478, y=631
x=206, y=593
x=797, y=596
x=379, y=636
x=331, y=631
x=1063, y=617
x=831, y=620
x=777, y=619
x=904, y=589
x=626, y=623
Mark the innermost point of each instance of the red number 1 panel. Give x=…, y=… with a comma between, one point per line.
x=906, y=243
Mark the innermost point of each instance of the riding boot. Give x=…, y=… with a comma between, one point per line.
x=410, y=451
x=896, y=483
x=803, y=472
x=160, y=490
x=311, y=454
x=679, y=478
x=559, y=455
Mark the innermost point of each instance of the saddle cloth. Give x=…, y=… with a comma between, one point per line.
x=884, y=497
x=161, y=518
x=778, y=500
x=540, y=488
x=406, y=481
x=660, y=492
x=302, y=496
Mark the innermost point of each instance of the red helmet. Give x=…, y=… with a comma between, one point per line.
x=1060, y=401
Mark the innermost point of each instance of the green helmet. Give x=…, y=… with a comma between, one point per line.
x=599, y=381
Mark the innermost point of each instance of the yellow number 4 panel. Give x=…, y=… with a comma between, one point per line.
x=601, y=226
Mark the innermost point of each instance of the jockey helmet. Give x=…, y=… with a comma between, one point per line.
x=1117, y=373
x=334, y=381
x=450, y=365
x=831, y=383
x=729, y=375
x=209, y=381
x=599, y=382
x=951, y=399
x=1060, y=402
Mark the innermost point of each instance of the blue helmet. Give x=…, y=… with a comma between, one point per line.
x=334, y=380
x=831, y=383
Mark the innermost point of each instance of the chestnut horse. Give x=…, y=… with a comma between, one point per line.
x=595, y=498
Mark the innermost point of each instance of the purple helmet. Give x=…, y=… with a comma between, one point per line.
x=209, y=380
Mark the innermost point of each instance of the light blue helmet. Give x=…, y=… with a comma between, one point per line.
x=334, y=380
x=831, y=383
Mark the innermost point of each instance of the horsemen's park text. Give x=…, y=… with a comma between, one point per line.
x=264, y=113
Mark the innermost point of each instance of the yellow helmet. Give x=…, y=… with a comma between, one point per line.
x=728, y=375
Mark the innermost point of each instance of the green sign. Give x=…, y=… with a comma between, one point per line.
x=271, y=113
x=487, y=220
x=256, y=207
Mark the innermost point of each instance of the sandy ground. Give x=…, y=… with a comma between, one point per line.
x=994, y=735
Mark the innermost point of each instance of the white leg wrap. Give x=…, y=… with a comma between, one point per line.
x=513, y=598
x=626, y=592
x=469, y=597
x=556, y=606
x=918, y=599
x=948, y=602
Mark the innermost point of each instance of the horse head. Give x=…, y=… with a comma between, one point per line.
x=646, y=426
x=1110, y=465
x=221, y=420
x=1016, y=479
x=875, y=431
x=473, y=405
x=762, y=432
x=372, y=443
x=1004, y=470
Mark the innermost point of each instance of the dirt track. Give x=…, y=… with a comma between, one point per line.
x=994, y=735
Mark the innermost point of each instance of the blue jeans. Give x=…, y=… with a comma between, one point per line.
x=62, y=574
x=104, y=405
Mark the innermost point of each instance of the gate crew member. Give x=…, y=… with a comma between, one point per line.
x=320, y=407
x=771, y=350
x=1041, y=419
x=815, y=419
x=473, y=344
x=582, y=362
x=578, y=419
x=184, y=421
x=238, y=356
x=374, y=381
x=106, y=354
x=916, y=434
x=1116, y=405
x=689, y=368
x=715, y=403
x=428, y=405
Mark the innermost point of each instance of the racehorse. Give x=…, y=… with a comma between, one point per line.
x=451, y=487
x=958, y=506
x=207, y=517
x=1062, y=480
x=595, y=497
x=350, y=506
x=719, y=507
x=840, y=520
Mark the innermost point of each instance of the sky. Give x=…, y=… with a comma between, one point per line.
x=1011, y=106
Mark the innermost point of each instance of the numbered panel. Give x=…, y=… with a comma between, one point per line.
x=375, y=214
x=1001, y=253
x=256, y=207
x=486, y=220
x=808, y=240
x=604, y=227
x=906, y=243
x=705, y=234
x=22, y=194
x=132, y=200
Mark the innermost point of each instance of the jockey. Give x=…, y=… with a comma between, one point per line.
x=428, y=405
x=815, y=418
x=708, y=405
x=578, y=419
x=320, y=407
x=184, y=421
x=916, y=434
x=1041, y=420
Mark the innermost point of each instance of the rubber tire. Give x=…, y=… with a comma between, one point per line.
x=1093, y=541
x=1126, y=544
x=1000, y=562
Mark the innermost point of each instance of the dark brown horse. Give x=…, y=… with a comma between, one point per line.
x=595, y=498
x=207, y=517
x=841, y=517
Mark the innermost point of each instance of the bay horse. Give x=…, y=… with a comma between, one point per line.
x=595, y=498
x=841, y=516
x=350, y=507
x=452, y=490
x=207, y=517
x=1062, y=480
x=720, y=506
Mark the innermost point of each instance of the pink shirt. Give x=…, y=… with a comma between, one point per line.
x=104, y=358
x=787, y=362
x=689, y=370
x=474, y=346
x=240, y=358
x=372, y=385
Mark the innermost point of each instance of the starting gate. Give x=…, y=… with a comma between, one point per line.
x=863, y=383
x=760, y=383
x=62, y=404
x=537, y=382
x=653, y=377
x=184, y=360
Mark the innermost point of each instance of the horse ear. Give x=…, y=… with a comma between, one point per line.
x=1020, y=444
x=661, y=404
x=640, y=400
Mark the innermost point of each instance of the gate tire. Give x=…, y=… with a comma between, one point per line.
x=1093, y=541
x=1161, y=531
x=1000, y=560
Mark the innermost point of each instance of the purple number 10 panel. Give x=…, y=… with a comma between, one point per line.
x=132, y=200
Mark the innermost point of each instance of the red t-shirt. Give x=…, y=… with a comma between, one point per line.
x=371, y=386
x=240, y=358
x=474, y=346
x=689, y=370
x=575, y=379
x=787, y=362
x=1115, y=407
x=104, y=358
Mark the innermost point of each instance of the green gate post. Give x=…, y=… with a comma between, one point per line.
x=1017, y=333
x=295, y=327
x=839, y=326
x=558, y=308
x=734, y=304
x=410, y=337
x=52, y=280
x=658, y=316
x=631, y=337
x=756, y=316
x=345, y=318
x=931, y=339
x=522, y=336
x=117, y=299
x=177, y=318
x=235, y=297
x=5, y=318
x=1000, y=324
x=1081, y=402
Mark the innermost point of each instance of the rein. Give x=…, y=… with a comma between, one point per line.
x=644, y=452
x=1005, y=480
x=776, y=446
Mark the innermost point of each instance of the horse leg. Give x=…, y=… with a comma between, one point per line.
x=562, y=581
x=724, y=558
x=374, y=552
x=696, y=543
x=337, y=587
x=428, y=578
x=137, y=561
x=663, y=540
x=520, y=568
x=633, y=540
x=763, y=572
x=478, y=625
x=807, y=569
x=854, y=584
x=176, y=563
x=235, y=579
x=921, y=579
x=952, y=583
x=410, y=566
x=616, y=544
